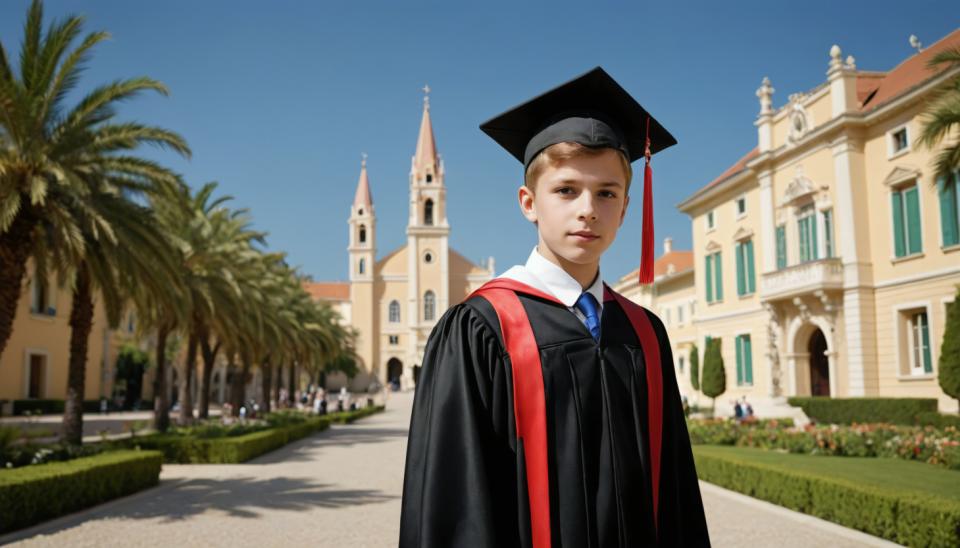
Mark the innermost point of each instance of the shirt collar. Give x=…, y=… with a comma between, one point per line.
x=560, y=284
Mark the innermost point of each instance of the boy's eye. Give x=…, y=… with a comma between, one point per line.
x=565, y=190
x=608, y=194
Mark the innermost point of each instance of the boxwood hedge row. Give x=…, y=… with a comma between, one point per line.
x=32, y=494
x=904, y=518
x=864, y=410
x=232, y=450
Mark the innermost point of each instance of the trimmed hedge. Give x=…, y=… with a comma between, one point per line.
x=40, y=492
x=909, y=519
x=237, y=449
x=864, y=410
x=938, y=420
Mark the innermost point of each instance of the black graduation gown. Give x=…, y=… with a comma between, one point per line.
x=465, y=483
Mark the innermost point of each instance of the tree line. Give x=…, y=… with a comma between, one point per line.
x=81, y=203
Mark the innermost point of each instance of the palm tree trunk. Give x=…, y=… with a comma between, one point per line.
x=292, y=386
x=186, y=384
x=209, y=357
x=15, y=246
x=236, y=386
x=81, y=323
x=161, y=406
x=279, y=383
x=265, y=384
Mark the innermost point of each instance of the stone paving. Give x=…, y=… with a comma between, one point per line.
x=341, y=488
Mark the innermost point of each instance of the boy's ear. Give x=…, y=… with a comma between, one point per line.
x=525, y=197
x=623, y=213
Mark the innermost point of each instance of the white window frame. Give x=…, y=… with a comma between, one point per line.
x=711, y=220
x=736, y=206
x=891, y=153
x=390, y=311
x=901, y=188
x=902, y=312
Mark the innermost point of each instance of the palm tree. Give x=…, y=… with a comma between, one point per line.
x=124, y=252
x=55, y=159
x=942, y=118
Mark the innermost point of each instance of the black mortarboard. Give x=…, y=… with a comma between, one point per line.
x=592, y=110
x=595, y=111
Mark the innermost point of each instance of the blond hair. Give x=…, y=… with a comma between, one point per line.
x=559, y=152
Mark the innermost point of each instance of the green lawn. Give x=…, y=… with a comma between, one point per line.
x=885, y=473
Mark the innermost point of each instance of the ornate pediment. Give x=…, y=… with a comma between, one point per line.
x=798, y=188
x=742, y=233
x=712, y=246
x=902, y=174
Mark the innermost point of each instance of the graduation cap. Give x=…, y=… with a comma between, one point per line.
x=595, y=111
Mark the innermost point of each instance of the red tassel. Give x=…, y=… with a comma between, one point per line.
x=646, y=237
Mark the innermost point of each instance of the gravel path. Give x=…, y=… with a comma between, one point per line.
x=341, y=488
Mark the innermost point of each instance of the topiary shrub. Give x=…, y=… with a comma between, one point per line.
x=864, y=410
x=695, y=368
x=714, y=381
x=949, y=364
x=40, y=492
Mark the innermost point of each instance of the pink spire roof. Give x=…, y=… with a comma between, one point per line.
x=363, y=196
x=426, y=146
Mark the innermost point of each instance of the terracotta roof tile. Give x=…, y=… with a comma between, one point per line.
x=682, y=261
x=910, y=73
x=328, y=291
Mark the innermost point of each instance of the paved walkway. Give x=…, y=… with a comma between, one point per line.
x=341, y=488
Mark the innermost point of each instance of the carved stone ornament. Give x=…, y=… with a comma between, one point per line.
x=799, y=187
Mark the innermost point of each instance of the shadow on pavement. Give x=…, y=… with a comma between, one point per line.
x=243, y=497
x=337, y=436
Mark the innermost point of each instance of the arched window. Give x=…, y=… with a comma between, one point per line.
x=363, y=234
x=394, y=312
x=362, y=266
x=428, y=212
x=360, y=212
x=429, y=306
x=429, y=178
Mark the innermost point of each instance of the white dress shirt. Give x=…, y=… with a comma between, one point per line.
x=541, y=274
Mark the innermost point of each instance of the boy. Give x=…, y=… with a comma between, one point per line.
x=547, y=412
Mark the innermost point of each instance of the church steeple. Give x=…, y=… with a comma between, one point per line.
x=426, y=161
x=363, y=229
x=363, y=197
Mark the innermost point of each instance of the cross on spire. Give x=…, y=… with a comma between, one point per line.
x=363, y=161
x=426, y=96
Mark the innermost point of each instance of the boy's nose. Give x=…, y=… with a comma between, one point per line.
x=586, y=207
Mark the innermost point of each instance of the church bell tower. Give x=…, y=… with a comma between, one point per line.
x=427, y=238
x=362, y=252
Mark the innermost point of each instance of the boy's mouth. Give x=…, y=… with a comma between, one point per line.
x=585, y=235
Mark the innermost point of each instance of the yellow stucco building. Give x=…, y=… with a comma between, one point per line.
x=34, y=364
x=826, y=257
x=394, y=301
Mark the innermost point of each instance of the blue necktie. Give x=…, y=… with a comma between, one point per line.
x=587, y=304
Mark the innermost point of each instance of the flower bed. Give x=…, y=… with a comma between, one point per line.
x=926, y=444
x=863, y=495
x=206, y=445
x=33, y=494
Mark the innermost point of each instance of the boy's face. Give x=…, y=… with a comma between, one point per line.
x=578, y=205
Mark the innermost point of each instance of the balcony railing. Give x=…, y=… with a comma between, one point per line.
x=801, y=279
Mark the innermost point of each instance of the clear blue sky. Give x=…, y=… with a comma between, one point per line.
x=278, y=99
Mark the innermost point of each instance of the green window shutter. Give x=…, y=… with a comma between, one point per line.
x=751, y=277
x=914, y=242
x=802, y=232
x=828, y=233
x=748, y=359
x=739, y=344
x=741, y=280
x=781, y=247
x=925, y=337
x=719, y=275
x=899, y=242
x=949, y=222
x=709, y=279
x=812, y=220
